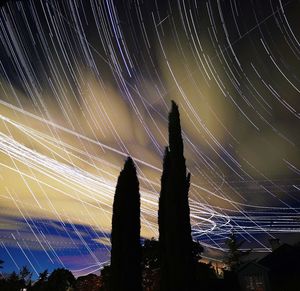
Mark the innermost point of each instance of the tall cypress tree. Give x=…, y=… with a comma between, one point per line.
x=162, y=219
x=177, y=268
x=125, y=236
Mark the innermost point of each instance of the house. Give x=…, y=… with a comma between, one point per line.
x=284, y=268
x=253, y=277
x=277, y=271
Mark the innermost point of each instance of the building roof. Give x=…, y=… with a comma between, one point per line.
x=284, y=257
x=252, y=264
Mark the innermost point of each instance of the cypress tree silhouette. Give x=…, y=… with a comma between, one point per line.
x=162, y=219
x=125, y=237
x=177, y=266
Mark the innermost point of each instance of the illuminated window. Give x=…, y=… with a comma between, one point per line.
x=254, y=282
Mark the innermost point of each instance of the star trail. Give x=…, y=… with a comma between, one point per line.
x=84, y=84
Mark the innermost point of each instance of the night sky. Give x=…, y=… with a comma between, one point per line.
x=83, y=84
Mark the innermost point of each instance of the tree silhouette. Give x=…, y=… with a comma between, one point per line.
x=150, y=254
x=13, y=282
x=125, y=236
x=177, y=265
x=162, y=219
x=43, y=276
x=197, y=250
x=105, y=279
x=151, y=262
x=234, y=255
x=25, y=277
x=41, y=283
x=60, y=280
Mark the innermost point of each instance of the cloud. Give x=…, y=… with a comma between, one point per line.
x=40, y=234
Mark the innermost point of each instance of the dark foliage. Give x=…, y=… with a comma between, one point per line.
x=60, y=280
x=25, y=277
x=41, y=283
x=13, y=282
x=89, y=282
x=150, y=254
x=204, y=272
x=151, y=263
x=235, y=255
x=105, y=279
x=177, y=265
x=16, y=282
x=197, y=250
x=125, y=236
